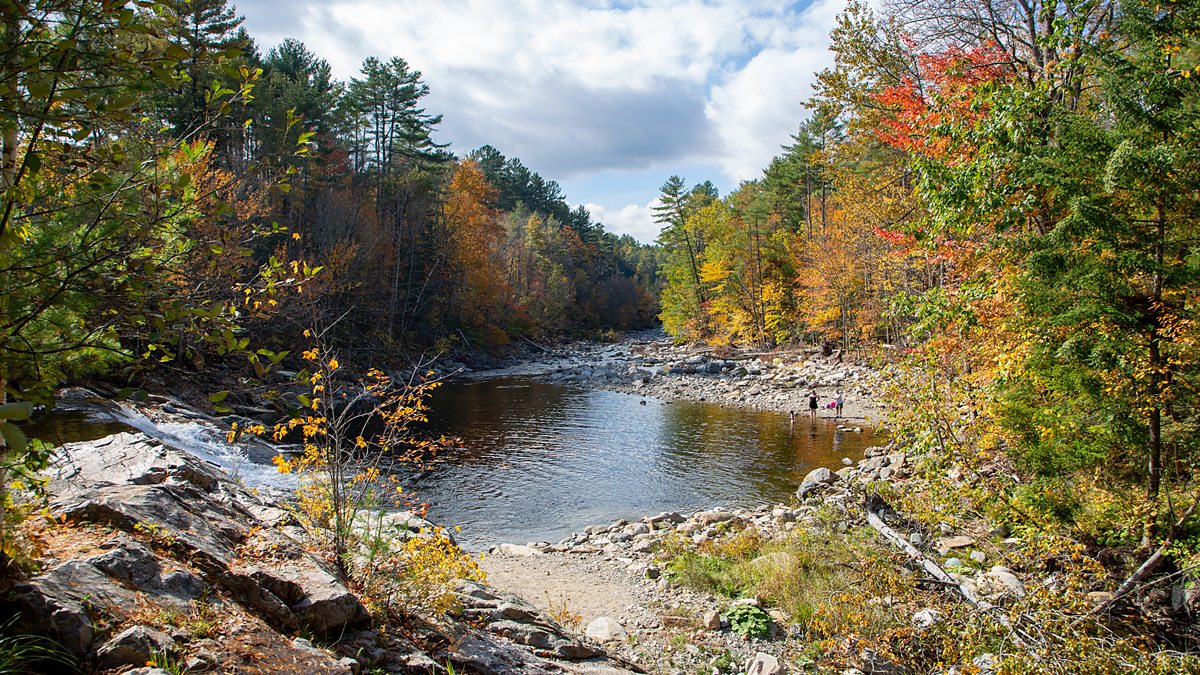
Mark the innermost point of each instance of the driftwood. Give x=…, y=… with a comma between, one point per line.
x=748, y=356
x=932, y=568
x=1151, y=563
x=544, y=349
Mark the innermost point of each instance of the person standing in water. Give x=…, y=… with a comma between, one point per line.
x=812, y=404
x=838, y=400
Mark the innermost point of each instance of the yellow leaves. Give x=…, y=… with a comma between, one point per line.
x=282, y=465
x=296, y=236
x=333, y=364
x=310, y=354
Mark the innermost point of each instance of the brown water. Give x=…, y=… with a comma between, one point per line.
x=72, y=426
x=541, y=461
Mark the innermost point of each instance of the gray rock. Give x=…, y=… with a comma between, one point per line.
x=296, y=589
x=1001, y=580
x=519, y=551
x=816, y=479
x=706, y=518
x=605, y=629
x=926, y=618
x=821, y=475
x=711, y=620
x=60, y=604
x=948, y=543
x=952, y=563
x=764, y=664
x=978, y=556
x=525, y=634
x=201, y=661
x=667, y=517
x=133, y=647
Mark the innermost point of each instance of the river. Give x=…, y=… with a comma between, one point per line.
x=539, y=461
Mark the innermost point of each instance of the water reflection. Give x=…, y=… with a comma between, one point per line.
x=72, y=426
x=541, y=461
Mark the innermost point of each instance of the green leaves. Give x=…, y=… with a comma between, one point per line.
x=749, y=620
x=14, y=438
x=16, y=412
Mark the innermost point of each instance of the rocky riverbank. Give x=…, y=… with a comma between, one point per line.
x=620, y=583
x=155, y=561
x=649, y=364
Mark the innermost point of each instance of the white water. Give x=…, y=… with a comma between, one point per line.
x=209, y=444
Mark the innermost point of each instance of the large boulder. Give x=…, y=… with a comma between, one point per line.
x=295, y=588
x=199, y=515
x=67, y=602
x=815, y=480
x=133, y=646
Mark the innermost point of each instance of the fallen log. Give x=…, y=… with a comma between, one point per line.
x=1151, y=563
x=933, y=569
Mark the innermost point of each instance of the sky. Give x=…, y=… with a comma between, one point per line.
x=607, y=97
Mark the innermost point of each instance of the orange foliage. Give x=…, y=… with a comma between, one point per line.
x=476, y=236
x=943, y=94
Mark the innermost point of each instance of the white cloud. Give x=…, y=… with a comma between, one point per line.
x=636, y=221
x=756, y=108
x=573, y=87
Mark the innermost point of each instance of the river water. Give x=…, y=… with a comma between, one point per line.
x=540, y=461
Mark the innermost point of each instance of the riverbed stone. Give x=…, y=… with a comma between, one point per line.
x=605, y=629
x=948, y=543
x=763, y=663
x=1000, y=580
x=821, y=475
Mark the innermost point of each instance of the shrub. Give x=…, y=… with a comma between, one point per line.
x=748, y=620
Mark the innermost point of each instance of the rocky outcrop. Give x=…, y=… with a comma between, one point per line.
x=172, y=546
x=519, y=621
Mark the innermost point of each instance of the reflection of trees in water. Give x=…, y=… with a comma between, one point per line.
x=747, y=449
x=557, y=455
x=493, y=417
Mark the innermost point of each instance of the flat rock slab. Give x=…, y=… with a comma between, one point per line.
x=955, y=542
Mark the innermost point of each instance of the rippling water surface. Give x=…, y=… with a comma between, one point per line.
x=541, y=461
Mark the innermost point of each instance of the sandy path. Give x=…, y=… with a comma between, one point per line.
x=585, y=585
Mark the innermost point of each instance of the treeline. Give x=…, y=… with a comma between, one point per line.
x=800, y=255
x=172, y=195
x=419, y=245
x=1007, y=196
x=1010, y=199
